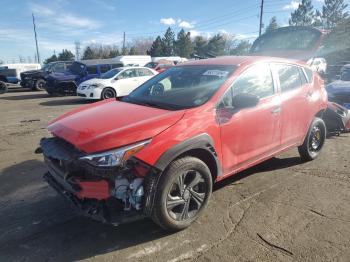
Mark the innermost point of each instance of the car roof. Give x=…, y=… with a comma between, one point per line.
x=239, y=60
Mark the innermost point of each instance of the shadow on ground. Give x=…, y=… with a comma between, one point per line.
x=25, y=97
x=40, y=225
x=65, y=102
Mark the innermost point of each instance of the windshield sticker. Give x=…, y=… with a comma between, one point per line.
x=218, y=73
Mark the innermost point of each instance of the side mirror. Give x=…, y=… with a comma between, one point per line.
x=245, y=100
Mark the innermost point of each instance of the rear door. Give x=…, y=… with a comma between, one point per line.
x=127, y=82
x=143, y=75
x=296, y=93
x=250, y=134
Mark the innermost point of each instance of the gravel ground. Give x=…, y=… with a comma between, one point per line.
x=281, y=210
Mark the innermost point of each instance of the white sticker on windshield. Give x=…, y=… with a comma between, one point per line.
x=218, y=73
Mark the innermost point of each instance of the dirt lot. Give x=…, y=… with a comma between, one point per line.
x=280, y=210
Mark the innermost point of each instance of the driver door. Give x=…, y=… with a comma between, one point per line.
x=250, y=134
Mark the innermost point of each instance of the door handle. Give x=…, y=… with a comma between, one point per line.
x=276, y=110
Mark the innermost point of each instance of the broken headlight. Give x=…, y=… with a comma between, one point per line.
x=116, y=157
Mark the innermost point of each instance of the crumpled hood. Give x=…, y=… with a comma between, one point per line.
x=111, y=124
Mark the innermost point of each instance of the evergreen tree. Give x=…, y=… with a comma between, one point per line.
x=183, y=44
x=114, y=53
x=272, y=25
x=333, y=13
x=200, y=46
x=337, y=45
x=88, y=53
x=132, y=51
x=169, y=42
x=216, y=45
x=303, y=15
x=156, y=48
x=52, y=58
x=242, y=48
x=65, y=55
x=318, y=21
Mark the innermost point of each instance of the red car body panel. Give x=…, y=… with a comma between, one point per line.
x=112, y=124
x=240, y=140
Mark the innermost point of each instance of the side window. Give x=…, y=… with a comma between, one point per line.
x=144, y=72
x=67, y=65
x=59, y=67
x=92, y=70
x=289, y=77
x=302, y=76
x=226, y=100
x=129, y=73
x=116, y=66
x=256, y=80
x=309, y=74
x=104, y=68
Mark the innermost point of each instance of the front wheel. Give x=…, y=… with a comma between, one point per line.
x=182, y=193
x=39, y=85
x=314, y=140
x=107, y=93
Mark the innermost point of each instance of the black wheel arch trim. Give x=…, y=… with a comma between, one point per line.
x=199, y=142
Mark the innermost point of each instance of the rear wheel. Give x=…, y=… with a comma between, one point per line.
x=314, y=140
x=39, y=85
x=3, y=87
x=107, y=93
x=182, y=193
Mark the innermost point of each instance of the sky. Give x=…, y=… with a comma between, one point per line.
x=60, y=23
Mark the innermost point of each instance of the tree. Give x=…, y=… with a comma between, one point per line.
x=318, y=21
x=88, y=53
x=242, y=48
x=333, y=13
x=216, y=45
x=132, y=51
x=272, y=25
x=65, y=55
x=200, y=46
x=156, y=48
x=52, y=58
x=303, y=15
x=337, y=45
x=169, y=42
x=183, y=44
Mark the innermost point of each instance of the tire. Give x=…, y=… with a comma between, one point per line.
x=177, y=203
x=39, y=85
x=107, y=93
x=314, y=140
x=3, y=87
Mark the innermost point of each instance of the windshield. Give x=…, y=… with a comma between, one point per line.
x=111, y=73
x=76, y=68
x=47, y=67
x=181, y=87
x=287, y=39
x=345, y=76
x=151, y=65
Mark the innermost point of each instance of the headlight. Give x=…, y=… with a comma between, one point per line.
x=115, y=157
x=95, y=85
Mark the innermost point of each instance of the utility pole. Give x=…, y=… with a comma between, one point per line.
x=261, y=16
x=36, y=40
x=123, y=50
x=77, y=50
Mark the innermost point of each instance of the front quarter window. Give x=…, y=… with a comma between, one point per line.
x=181, y=87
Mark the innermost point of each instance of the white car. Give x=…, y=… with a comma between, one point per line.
x=115, y=83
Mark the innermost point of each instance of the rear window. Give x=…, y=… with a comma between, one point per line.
x=144, y=72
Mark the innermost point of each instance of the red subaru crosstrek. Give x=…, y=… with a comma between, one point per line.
x=158, y=152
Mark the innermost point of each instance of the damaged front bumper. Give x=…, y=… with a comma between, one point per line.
x=94, y=192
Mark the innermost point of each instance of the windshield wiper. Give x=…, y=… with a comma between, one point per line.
x=149, y=103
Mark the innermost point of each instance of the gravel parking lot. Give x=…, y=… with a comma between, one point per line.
x=280, y=210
